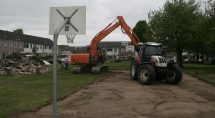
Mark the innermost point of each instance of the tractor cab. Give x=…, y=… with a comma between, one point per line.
x=151, y=49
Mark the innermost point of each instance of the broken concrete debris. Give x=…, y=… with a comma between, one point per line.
x=20, y=64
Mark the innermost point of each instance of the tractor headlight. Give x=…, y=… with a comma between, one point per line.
x=174, y=59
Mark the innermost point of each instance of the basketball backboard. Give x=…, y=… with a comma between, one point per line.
x=76, y=24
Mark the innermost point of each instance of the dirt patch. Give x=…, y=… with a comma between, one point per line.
x=120, y=97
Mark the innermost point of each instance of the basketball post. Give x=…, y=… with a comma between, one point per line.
x=54, y=82
x=56, y=28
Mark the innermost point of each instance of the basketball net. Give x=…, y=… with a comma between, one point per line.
x=70, y=38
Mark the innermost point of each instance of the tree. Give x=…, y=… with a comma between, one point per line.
x=210, y=24
x=19, y=32
x=142, y=31
x=174, y=25
x=34, y=50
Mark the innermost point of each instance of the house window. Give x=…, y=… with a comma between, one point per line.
x=50, y=47
x=34, y=45
x=110, y=49
x=124, y=43
x=3, y=55
x=122, y=50
x=26, y=45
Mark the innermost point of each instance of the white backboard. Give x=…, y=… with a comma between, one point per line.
x=129, y=48
x=78, y=20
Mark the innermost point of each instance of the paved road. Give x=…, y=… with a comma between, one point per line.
x=120, y=97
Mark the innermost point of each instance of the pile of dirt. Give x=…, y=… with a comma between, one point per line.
x=21, y=64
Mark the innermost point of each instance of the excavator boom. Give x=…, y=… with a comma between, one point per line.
x=111, y=27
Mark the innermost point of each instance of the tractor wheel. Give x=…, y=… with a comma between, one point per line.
x=174, y=75
x=133, y=70
x=146, y=74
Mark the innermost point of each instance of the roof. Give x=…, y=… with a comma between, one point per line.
x=36, y=40
x=7, y=35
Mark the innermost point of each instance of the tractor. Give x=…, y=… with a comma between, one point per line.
x=150, y=62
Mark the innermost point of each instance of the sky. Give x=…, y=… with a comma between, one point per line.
x=33, y=16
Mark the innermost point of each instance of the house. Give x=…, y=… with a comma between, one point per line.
x=10, y=43
x=42, y=45
x=115, y=50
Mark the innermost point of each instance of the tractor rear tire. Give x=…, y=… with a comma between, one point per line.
x=133, y=70
x=174, y=75
x=146, y=74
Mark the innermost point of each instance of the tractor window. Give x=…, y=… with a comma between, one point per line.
x=153, y=50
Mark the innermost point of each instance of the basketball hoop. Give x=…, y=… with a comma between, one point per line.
x=70, y=38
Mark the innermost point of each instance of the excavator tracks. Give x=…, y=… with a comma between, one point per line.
x=86, y=69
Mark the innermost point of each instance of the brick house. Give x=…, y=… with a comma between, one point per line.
x=9, y=43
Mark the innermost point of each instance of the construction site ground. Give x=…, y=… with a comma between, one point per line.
x=119, y=97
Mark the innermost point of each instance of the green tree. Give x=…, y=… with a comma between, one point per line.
x=34, y=50
x=19, y=32
x=210, y=28
x=142, y=31
x=174, y=25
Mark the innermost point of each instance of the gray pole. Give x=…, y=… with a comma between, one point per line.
x=54, y=81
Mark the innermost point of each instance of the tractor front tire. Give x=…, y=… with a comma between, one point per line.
x=146, y=74
x=133, y=70
x=174, y=75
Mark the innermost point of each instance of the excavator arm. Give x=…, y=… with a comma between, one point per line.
x=107, y=30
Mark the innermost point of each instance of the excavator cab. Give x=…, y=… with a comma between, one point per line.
x=101, y=55
x=151, y=49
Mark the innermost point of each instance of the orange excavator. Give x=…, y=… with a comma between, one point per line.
x=93, y=60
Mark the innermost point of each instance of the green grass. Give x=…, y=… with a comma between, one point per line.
x=203, y=72
x=123, y=65
x=27, y=92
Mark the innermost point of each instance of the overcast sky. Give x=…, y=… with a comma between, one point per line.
x=33, y=16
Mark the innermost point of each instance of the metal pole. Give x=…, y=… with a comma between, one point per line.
x=54, y=82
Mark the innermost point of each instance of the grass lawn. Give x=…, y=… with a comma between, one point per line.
x=203, y=72
x=27, y=92
x=123, y=65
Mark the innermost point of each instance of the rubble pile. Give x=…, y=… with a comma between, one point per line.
x=19, y=64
